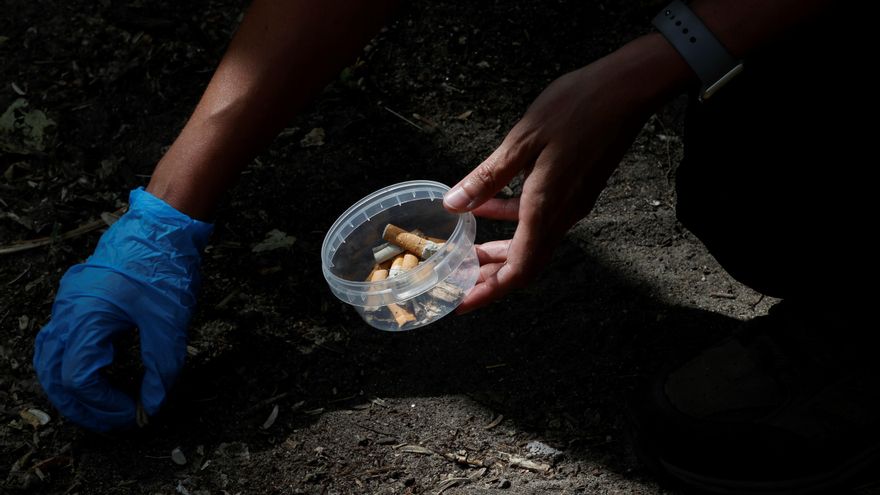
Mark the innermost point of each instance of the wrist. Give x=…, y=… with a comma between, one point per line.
x=199, y=167
x=651, y=71
x=179, y=194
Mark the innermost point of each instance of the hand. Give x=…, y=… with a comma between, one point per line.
x=567, y=144
x=144, y=274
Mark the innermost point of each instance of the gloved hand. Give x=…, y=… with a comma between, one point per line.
x=144, y=273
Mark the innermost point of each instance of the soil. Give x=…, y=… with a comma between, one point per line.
x=355, y=410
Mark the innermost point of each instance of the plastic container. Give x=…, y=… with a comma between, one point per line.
x=429, y=291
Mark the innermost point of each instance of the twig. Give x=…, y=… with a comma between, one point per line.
x=432, y=125
x=410, y=122
x=756, y=303
x=22, y=274
x=222, y=304
x=417, y=449
x=449, y=483
x=343, y=399
x=44, y=241
x=266, y=402
x=372, y=472
x=495, y=422
x=463, y=460
x=52, y=461
x=519, y=462
x=374, y=430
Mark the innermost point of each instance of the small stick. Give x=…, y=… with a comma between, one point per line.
x=410, y=122
x=519, y=462
x=22, y=274
x=463, y=459
x=45, y=241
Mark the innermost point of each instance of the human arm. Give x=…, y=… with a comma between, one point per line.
x=281, y=56
x=145, y=270
x=575, y=133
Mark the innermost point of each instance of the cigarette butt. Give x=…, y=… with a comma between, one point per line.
x=419, y=246
x=402, y=263
x=376, y=268
x=385, y=252
x=379, y=275
x=404, y=239
x=396, y=266
x=401, y=315
x=435, y=239
x=410, y=261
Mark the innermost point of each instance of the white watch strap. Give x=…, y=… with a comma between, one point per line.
x=702, y=51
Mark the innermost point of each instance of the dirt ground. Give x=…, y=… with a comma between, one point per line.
x=543, y=376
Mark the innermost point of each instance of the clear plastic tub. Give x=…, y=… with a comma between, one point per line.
x=427, y=292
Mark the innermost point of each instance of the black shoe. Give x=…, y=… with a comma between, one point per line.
x=790, y=404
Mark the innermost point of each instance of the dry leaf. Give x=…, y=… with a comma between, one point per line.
x=271, y=419
x=275, y=239
x=315, y=137
x=495, y=422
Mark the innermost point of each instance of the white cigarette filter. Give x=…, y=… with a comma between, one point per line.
x=386, y=251
x=421, y=247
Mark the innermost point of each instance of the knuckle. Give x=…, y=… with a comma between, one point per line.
x=486, y=175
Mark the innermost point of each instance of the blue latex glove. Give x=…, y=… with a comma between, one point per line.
x=144, y=273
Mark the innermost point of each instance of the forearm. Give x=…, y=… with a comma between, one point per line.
x=282, y=55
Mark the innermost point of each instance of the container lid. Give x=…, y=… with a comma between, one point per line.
x=412, y=282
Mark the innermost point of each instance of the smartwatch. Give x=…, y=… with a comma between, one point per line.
x=701, y=50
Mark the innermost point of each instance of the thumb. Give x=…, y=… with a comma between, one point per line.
x=518, y=150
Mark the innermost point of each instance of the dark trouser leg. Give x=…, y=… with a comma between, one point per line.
x=775, y=178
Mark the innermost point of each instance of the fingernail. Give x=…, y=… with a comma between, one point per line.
x=457, y=198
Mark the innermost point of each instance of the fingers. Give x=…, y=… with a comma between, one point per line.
x=499, y=209
x=492, y=252
x=508, y=265
x=163, y=350
x=496, y=281
x=518, y=151
x=70, y=353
